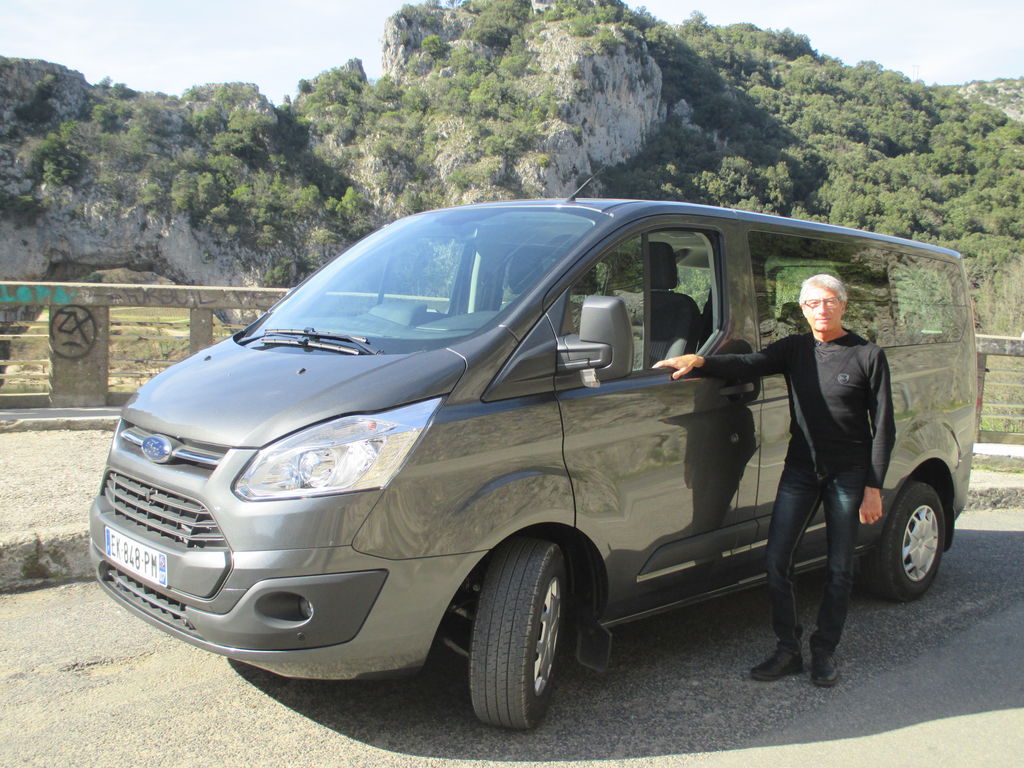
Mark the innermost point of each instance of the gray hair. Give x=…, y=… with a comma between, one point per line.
x=827, y=282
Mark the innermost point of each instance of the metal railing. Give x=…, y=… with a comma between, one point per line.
x=1000, y=389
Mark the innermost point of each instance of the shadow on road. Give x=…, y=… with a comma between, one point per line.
x=678, y=683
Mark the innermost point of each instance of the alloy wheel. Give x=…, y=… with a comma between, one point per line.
x=920, y=543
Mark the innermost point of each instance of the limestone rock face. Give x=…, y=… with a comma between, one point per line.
x=41, y=92
x=1006, y=94
x=70, y=241
x=609, y=101
x=83, y=228
x=610, y=104
x=402, y=41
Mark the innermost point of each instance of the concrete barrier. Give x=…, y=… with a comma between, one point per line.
x=43, y=558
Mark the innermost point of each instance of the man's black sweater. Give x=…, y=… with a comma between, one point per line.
x=840, y=402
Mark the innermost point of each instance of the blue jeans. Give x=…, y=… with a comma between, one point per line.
x=799, y=493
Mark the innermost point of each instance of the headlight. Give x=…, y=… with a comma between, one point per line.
x=354, y=453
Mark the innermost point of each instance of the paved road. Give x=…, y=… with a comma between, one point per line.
x=939, y=682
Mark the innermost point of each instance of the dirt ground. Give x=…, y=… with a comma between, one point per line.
x=49, y=478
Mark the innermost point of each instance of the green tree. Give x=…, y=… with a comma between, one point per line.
x=57, y=159
x=436, y=48
x=498, y=21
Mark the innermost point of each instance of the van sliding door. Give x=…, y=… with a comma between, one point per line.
x=664, y=472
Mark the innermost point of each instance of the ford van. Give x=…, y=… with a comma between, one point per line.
x=452, y=432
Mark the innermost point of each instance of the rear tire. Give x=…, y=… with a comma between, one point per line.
x=516, y=633
x=904, y=563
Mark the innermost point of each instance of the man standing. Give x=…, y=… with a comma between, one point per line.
x=841, y=437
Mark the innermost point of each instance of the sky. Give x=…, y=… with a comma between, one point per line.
x=154, y=45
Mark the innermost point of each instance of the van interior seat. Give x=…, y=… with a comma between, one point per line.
x=675, y=317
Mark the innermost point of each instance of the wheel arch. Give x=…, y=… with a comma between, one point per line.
x=936, y=473
x=588, y=578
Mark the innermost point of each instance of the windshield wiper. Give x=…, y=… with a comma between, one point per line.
x=314, y=339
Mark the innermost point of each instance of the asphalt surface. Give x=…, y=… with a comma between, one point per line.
x=936, y=682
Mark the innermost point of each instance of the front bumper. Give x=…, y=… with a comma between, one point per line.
x=274, y=614
x=371, y=622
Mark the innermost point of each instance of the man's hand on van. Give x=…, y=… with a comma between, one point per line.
x=683, y=364
x=871, y=506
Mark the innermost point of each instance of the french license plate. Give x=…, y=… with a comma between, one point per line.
x=136, y=557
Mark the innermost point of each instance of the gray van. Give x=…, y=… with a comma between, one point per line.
x=453, y=431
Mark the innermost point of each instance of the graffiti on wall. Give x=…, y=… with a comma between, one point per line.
x=73, y=332
x=35, y=294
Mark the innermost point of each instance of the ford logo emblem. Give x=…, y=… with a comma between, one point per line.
x=157, y=448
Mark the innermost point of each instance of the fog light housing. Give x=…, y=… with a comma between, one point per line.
x=285, y=606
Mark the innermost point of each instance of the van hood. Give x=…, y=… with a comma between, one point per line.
x=235, y=396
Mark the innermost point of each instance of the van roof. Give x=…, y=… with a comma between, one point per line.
x=639, y=208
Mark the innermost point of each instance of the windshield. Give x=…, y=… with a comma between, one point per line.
x=427, y=280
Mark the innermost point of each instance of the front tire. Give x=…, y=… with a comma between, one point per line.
x=904, y=563
x=516, y=633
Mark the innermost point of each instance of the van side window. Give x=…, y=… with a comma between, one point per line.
x=782, y=262
x=666, y=279
x=895, y=298
x=619, y=273
x=930, y=301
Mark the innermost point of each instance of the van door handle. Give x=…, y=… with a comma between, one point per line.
x=737, y=389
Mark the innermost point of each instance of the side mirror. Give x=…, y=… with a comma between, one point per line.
x=603, y=349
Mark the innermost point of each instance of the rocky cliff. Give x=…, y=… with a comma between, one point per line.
x=125, y=185
x=608, y=97
x=1005, y=94
x=610, y=104
x=65, y=216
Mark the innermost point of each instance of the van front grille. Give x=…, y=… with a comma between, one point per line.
x=203, y=455
x=164, y=609
x=162, y=512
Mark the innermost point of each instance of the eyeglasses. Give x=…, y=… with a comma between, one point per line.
x=827, y=303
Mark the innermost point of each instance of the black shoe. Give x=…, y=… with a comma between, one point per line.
x=824, y=671
x=779, y=664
